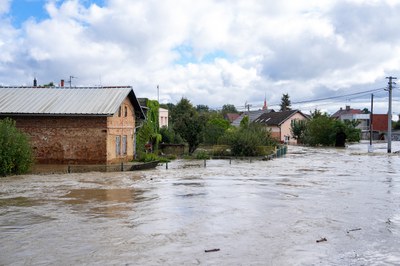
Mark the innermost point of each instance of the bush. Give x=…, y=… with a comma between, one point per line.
x=202, y=155
x=221, y=150
x=246, y=140
x=148, y=157
x=16, y=156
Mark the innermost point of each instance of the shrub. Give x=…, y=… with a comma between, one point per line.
x=148, y=157
x=16, y=156
x=202, y=155
x=246, y=140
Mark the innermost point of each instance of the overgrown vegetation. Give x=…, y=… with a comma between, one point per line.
x=248, y=140
x=298, y=129
x=16, y=156
x=148, y=136
x=325, y=131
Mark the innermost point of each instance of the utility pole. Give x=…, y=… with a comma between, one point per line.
x=247, y=106
x=371, y=129
x=389, y=148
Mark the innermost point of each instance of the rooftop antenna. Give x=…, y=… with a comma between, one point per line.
x=70, y=80
x=158, y=93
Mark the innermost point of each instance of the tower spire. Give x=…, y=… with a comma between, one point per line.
x=265, y=107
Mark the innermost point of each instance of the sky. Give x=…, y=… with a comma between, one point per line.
x=212, y=52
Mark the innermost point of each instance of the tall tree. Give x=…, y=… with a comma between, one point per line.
x=214, y=129
x=228, y=108
x=187, y=123
x=201, y=108
x=285, y=102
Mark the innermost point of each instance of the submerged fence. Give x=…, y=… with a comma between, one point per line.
x=134, y=166
x=278, y=153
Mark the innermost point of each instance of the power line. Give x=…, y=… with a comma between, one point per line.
x=357, y=94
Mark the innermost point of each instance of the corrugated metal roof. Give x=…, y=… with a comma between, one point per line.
x=64, y=101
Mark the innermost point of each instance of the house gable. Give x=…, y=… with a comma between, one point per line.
x=280, y=123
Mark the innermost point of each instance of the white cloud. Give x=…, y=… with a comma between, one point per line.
x=4, y=6
x=234, y=50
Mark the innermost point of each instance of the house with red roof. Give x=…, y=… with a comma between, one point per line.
x=379, y=121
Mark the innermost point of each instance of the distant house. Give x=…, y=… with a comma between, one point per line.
x=163, y=114
x=231, y=117
x=280, y=124
x=379, y=121
x=163, y=117
x=81, y=125
x=345, y=113
x=253, y=115
x=351, y=114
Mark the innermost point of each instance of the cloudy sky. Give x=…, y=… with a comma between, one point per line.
x=212, y=52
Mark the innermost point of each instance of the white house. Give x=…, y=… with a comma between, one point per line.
x=163, y=117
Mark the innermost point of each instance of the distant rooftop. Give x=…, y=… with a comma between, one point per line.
x=276, y=118
x=346, y=111
x=252, y=116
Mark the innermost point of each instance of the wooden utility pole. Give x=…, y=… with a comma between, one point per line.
x=389, y=148
x=371, y=128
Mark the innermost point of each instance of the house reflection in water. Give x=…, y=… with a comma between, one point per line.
x=113, y=203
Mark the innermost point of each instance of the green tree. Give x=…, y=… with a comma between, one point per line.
x=169, y=136
x=188, y=124
x=353, y=134
x=323, y=130
x=214, y=129
x=285, y=102
x=228, y=108
x=320, y=130
x=365, y=111
x=201, y=108
x=16, y=156
x=298, y=129
x=248, y=139
x=245, y=122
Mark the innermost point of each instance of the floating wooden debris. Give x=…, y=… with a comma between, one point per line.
x=212, y=250
x=352, y=230
x=321, y=240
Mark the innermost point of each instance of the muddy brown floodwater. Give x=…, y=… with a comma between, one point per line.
x=313, y=207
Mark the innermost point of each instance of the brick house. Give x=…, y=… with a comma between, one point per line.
x=280, y=124
x=81, y=125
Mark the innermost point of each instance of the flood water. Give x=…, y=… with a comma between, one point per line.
x=316, y=206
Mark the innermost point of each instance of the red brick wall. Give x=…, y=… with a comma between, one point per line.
x=66, y=140
x=380, y=122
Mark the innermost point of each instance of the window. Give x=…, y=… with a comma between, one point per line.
x=118, y=145
x=119, y=111
x=125, y=111
x=124, y=145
